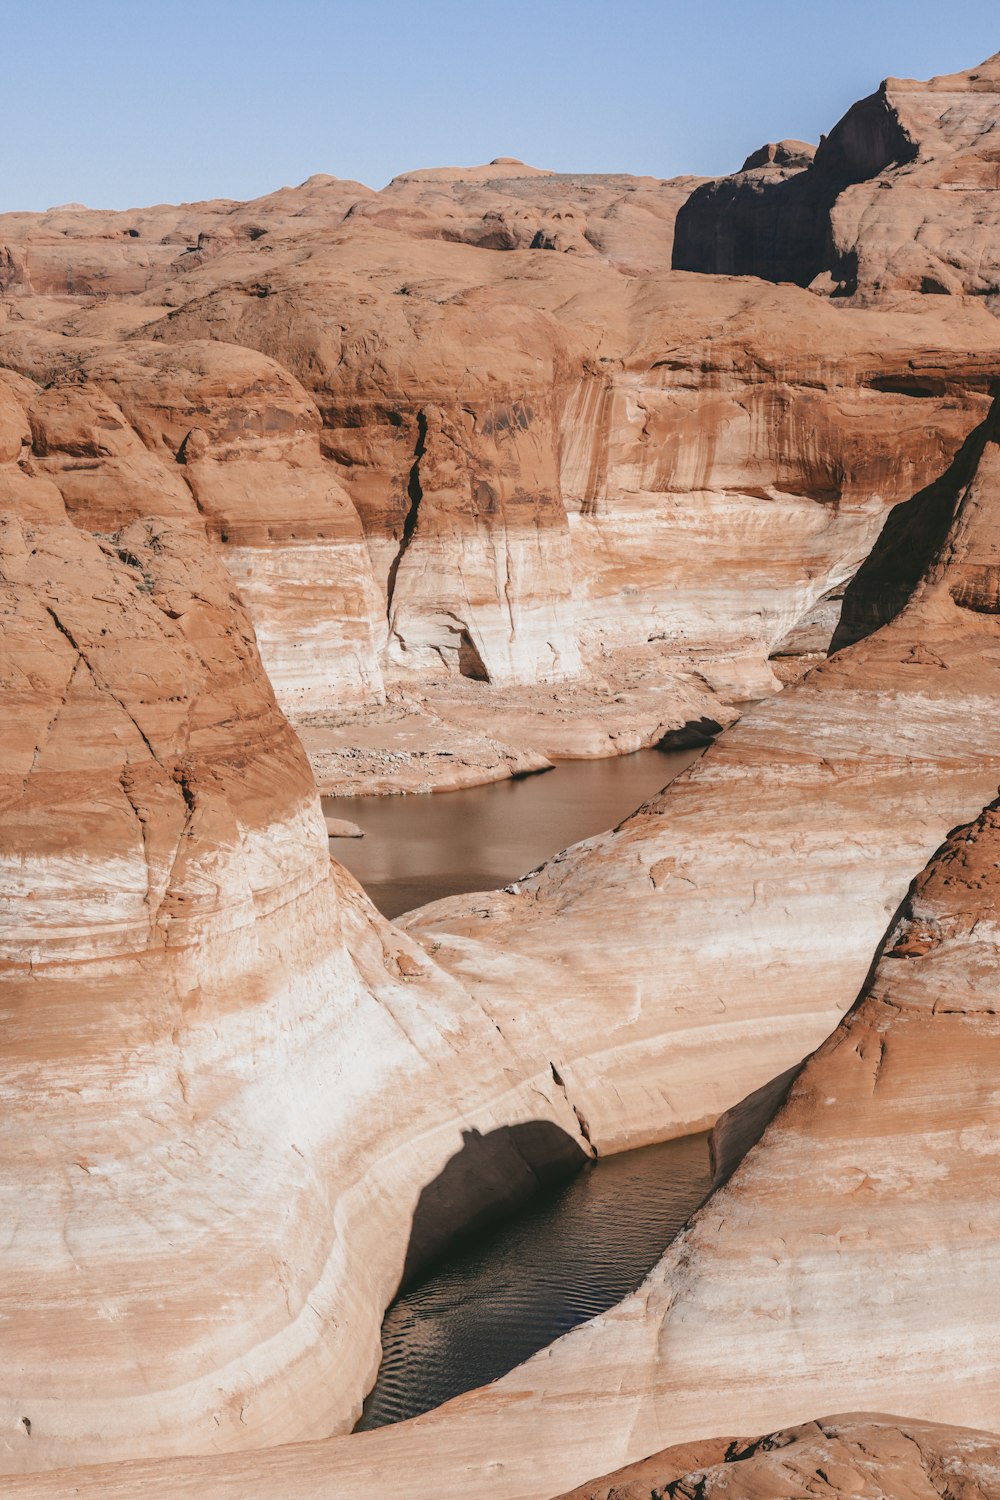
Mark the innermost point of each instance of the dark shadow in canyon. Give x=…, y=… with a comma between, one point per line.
x=778, y=225
x=574, y=1251
x=696, y=734
x=414, y=495
x=913, y=536
x=490, y=1178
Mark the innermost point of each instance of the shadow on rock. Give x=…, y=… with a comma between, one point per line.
x=491, y=1177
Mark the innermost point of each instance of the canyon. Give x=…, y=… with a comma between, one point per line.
x=362, y=492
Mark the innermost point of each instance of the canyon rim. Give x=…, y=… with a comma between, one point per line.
x=350, y=492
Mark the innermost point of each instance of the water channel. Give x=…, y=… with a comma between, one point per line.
x=508, y=1292
x=421, y=847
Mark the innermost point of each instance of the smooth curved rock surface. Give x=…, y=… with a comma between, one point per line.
x=225, y=1079
x=429, y=459
x=761, y=1305
x=774, y=1301
x=747, y=899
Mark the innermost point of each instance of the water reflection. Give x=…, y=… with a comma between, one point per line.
x=422, y=847
x=506, y=1294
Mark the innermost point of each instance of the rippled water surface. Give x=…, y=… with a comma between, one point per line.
x=421, y=847
x=510, y=1292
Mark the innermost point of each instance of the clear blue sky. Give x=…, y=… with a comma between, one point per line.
x=117, y=104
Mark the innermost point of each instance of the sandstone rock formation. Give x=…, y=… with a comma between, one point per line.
x=900, y=197
x=435, y=455
x=865, y=744
x=748, y=898
x=74, y=252
x=859, y=1454
x=223, y=434
x=774, y=1301
x=224, y=1076
x=469, y=454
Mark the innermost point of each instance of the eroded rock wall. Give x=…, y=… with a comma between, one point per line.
x=851, y=1256
x=433, y=448
x=750, y=895
x=856, y=1454
x=898, y=199
x=226, y=1080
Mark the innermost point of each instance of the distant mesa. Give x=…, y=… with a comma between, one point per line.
x=500, y=166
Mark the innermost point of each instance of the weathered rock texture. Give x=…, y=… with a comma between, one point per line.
x=747, y=899
x=427, y=460
x=774, y=1302
x=225, y=1078
x=900, y=197
x=861, y=1454
x=472, y=429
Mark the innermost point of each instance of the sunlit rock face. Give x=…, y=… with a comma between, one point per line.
x=473, y=427
x=226, y=1080
x=747, y=899
x=857, y=1454
x=767, y=922
x=605, y=461
x=883, y=1153
x=311, y=452
x=899, y=198
x=225, y=438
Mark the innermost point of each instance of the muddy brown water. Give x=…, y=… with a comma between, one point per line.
x=580, y=1248
x=421, y=847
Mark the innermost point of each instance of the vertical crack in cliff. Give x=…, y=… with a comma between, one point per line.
x=182, y=781
x=508, y=581
x=415, y=494
x=125, y=782
x=101, y=681
x=46, y=734
x=180, y=776
x=581, y=1119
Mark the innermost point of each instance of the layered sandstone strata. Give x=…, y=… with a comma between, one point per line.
x=226, y=1080
x=747, y=899
x=552, y=460
x=899, y=197
x=224, y=437
x=432, y=453
x=759, y=1309
x=773, y=1302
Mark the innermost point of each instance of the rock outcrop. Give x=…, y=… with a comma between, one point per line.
x=225, y=1078
x=223, y=437
x=900, y=197
x=434, y=452
x=466, y=448
x=747, y=899
x=858, y=1454
x=774, y=1302
x=551, y=461
x=850, y=1258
